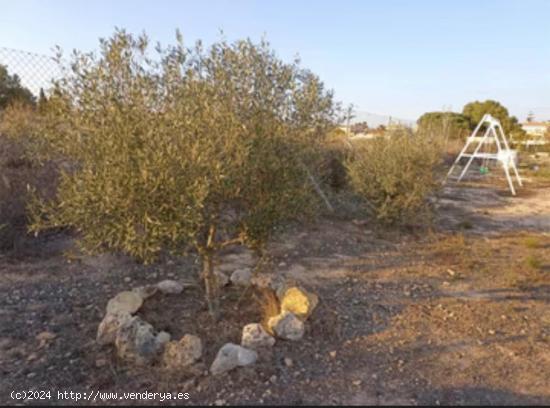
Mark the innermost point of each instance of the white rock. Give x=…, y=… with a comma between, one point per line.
x=178, y=354
x=221, y=277
x=169, y=286
x=162, y=339
x=145, y=291
x=231, y=356
x=254, y=337
x=241, y=277
x=287, y=326
x=246, y=356
x=106, y=332
x=136, y=342
x=125, y=302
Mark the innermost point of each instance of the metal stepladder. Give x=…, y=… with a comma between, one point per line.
x=503, y=155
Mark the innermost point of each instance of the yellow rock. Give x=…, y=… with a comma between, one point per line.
x=299, y=302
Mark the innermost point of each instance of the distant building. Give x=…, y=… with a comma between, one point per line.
x=536, y=131
x=533, y=128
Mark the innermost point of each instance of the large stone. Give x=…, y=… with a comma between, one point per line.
x=254, y=337
x=106, y=332
x=137, y=343
x=299, y=302
x=183, y=353
x=170, y=287
x=241, y=277
x=221, y=278
x=125, y=302
x=145, y=291
x=287, y=326
x=231, y=356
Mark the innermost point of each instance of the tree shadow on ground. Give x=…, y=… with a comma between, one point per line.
x=479, y=396
x=536, y=293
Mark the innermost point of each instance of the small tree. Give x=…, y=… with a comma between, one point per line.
x=450, y=125
x=396, y=174
x=360, y=127
x=198, y=147
x=11, y=90
x=474, y=111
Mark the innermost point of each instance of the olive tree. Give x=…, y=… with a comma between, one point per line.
x=396, y=174
x=182, y=146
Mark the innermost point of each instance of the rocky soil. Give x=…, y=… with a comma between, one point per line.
x=455, y=314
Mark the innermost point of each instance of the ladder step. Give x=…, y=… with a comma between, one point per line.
x=482, y=155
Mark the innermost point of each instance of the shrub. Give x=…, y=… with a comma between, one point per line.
x=17, y=171
x=188, y=146
x=450, y=125
x=396, y=174
x=335, y=150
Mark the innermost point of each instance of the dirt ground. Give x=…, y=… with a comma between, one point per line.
x=454, y=314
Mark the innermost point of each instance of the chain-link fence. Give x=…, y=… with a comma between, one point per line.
x=35, y=71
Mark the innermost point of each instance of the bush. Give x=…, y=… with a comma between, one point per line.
x=396, y=174
x=449, y=125
x=198, y=147
x=335, y=150
x=17, y=171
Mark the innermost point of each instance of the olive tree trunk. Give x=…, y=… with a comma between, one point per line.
x=211, y=283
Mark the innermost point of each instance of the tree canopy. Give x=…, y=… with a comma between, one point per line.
x=359, y=127
x=12, y=91
x=450, y=124
x=193, y=147
x=474, y=111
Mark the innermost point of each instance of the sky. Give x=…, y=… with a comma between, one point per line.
x=390, y=57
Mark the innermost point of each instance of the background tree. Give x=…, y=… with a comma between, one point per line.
x=42, y=100
x=208, y=148
x=474, y=111
x=360, y=127
x=451, y=125
x=381, y=129
x=12, y=91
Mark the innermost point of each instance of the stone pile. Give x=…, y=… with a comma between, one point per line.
x=137, y=341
